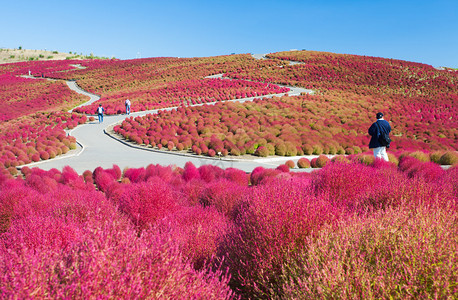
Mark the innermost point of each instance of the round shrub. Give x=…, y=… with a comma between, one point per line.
x=290, y=149
x=44, y=155
x=237, y=175
x=317, y=149
x=436, y=156
x=357, y=149
x=321, y=161
x=280, y=149
x=262, y=151
x=211, y=153
x=271, y=148
x=36, y=157
x=340, y=150
x=299, y=150
x=449, y=158
x=420, y=155
x=145, y=202
x=303, y=163
x=332, y=149
x=87, y=176
x=250, y=147
x=366, y=159
x=349, y=151
x=13, y=171
x=64, y=149
x=204, y=149
x=277, y=221
x=283, y=168
x=290, y=164
x=52, y=153
x=190, y=172
x=235, y=151
x=308, y=150
x=26, y=171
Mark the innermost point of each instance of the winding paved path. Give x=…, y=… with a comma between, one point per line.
x=96, y=148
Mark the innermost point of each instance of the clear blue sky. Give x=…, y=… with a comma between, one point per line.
x=421, y=31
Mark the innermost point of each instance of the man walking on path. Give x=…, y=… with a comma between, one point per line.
x=376, y=130
x=127, y=103
x=100, y=111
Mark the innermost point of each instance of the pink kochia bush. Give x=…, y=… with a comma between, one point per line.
x=395, y=253
x=275, y=220
x=348, y=230
x=62, y=242
x=146, y=202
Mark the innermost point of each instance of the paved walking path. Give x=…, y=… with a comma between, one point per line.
x=97, y=148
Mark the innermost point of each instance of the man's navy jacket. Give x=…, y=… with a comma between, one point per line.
x=374, y=131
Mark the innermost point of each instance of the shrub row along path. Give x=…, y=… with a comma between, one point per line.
x=96, y=147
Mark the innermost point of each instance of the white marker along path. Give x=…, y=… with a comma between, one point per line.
x=96, y=148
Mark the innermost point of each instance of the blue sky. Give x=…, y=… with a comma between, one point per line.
x=421, y=31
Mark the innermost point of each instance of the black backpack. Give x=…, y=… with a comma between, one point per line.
x=383, y=138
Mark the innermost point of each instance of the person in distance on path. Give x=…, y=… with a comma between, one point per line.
x=100, y=111
x=127, y=103
x=375, y=130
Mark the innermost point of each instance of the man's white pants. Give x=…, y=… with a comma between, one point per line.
x=380, y=152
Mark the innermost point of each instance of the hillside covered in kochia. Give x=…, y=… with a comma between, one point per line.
x=356, y=228
x=418, y=100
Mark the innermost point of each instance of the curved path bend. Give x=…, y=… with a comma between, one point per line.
x=97, y=148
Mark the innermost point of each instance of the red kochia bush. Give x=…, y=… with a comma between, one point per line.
x=190, y=172
x=224, y=195
x=395, y=252
x=236, y=175
x=303, y=163
x=15, y=200
x=321, y=161
x=265, y=176
x=290, y=164
x=210, y=172
x=197, y=231
x=346, y=183
x=135, y=174
x=102, y=178
x=71, y=178
x=275, y=220
x=115, y=171
x=145, y=202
